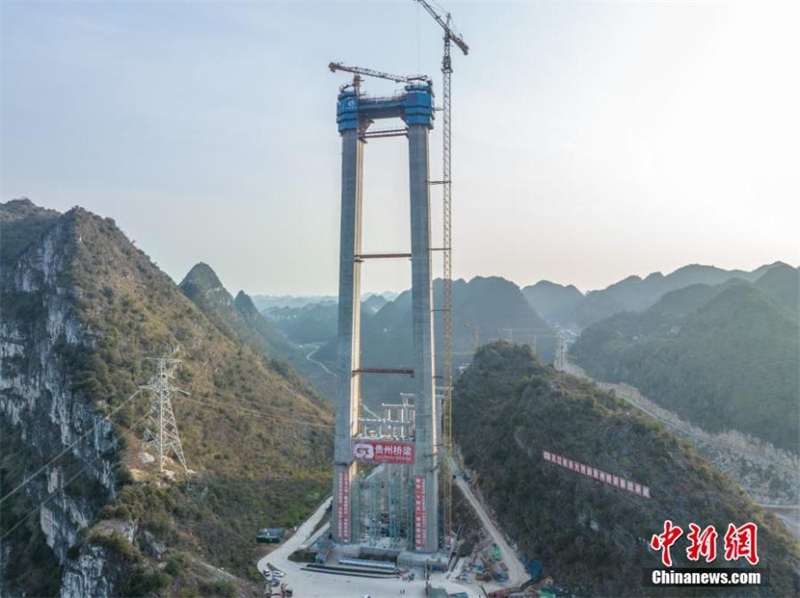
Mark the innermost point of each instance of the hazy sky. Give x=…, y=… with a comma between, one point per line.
x=591, y=140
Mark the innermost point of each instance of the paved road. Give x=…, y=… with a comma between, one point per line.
x=317, y=347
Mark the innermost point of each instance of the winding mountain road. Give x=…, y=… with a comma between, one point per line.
x=316, y=347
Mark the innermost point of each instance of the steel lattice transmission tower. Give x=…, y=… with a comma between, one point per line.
x=560, y=362
x=162, y=430
x=450, y=35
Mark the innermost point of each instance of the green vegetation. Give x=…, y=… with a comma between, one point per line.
x=30, y=563
x=255, y=432
x=218, y=588
x=146, y=583
x=257, y=436
x=314, y=323
x=592, y=537
x=21, y=225
x=204, y=288
x=721, y=357
x=554, y=302
x=240, y=321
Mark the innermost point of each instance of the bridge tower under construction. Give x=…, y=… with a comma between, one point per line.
x=405, y=447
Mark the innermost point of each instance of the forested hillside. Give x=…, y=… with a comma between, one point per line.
x=83, y=310
x=723, y=357
x=240, y=321
x=593, y=537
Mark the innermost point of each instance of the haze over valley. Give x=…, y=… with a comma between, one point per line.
x=99, y=309
x=352, y=300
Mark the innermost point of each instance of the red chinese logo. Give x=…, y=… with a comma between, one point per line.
x=664, y=541
x=741, y=542
x=703, y=543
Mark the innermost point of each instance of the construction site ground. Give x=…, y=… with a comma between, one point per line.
x=477, y=530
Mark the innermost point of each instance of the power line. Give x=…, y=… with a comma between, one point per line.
x=63, y=485
x=260, y=410
x=160, y=416
x=68, y=449
x=163, y=429
x=260, y=414
x=204, y=403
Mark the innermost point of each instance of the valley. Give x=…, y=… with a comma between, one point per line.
x=83, y=310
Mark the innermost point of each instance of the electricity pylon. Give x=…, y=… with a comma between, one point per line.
x=162, y=431
x=560, y=362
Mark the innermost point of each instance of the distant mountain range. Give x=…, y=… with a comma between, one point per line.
x=718, y=347
x=723, y=356
x=266, y=303
x=484, y=309
x=726, y=363
x=238, y=318
x=314, y=319
x=566, y=306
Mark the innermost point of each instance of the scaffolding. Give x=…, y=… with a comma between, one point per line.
x=383, y=505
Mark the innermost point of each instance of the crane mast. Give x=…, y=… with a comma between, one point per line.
x=450, y=36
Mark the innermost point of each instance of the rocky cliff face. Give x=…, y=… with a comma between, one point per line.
x=87, y=575
x=58, y=431
x=86, y=511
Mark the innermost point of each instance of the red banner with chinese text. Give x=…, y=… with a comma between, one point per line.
x=420, y=513
x=343, y=509
x=382, y=451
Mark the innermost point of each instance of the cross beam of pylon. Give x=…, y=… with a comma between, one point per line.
x=162, y=430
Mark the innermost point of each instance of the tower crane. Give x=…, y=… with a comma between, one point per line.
x=450, y=36
x=358, y=71
x=356, y=85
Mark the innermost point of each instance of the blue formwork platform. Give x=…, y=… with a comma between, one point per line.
x=414, y=106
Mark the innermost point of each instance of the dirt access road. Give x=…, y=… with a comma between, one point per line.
x=517, y=574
